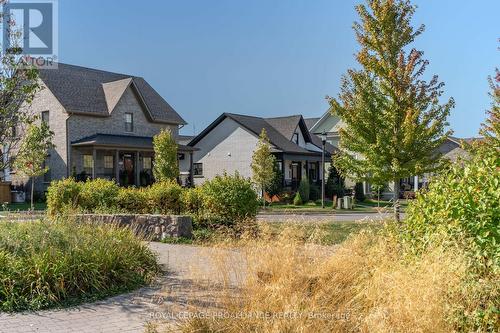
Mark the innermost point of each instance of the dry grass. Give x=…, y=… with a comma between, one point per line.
x=363, y=285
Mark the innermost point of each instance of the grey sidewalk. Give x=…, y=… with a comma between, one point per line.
x=174, y=292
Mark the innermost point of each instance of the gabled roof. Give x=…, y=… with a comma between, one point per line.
x=319, y=121
x=114, y=90
x=276, y=137
x=95, y=92
x=310, y=122
x=288, y=125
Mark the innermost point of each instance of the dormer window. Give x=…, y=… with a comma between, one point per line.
x=129, y=122
x=295, y=138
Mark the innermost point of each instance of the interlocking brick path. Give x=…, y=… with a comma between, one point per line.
x=191, y=280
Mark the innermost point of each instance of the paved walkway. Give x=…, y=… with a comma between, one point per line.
x=191, y=281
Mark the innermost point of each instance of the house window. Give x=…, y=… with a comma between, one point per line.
x=295, y=138
x=45, y=117
x=108, y=162
x=146, y=163
x=129, y=122
x=198, y=169
x=88, y=164
x=47, y=176
x=313, y=171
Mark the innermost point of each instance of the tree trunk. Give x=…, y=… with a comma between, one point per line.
x=396, y=201
x=32, y=191
x=263, y=197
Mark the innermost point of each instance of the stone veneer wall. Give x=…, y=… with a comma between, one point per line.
x=153, y=227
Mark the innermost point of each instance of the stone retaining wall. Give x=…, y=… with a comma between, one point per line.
x=153, y=227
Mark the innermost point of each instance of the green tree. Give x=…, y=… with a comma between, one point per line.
x=166, y=165
x=491, y=128
x=35, y=146
x=18, y=86
x=394, y=120
x=276, y=185
x=263, y=164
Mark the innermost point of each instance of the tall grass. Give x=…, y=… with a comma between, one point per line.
x=366, y=284
x=44, y=264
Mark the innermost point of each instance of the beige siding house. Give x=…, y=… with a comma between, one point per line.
x=330, y=124
x=103, y=124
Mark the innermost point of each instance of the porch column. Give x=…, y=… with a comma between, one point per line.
x=137, y=176
x=307, y=170
x=191, y=179
x=94, y=162
x=117, y=167
x=283, y=171
x=415, y=185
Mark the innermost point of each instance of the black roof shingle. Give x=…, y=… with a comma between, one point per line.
x=80, y=90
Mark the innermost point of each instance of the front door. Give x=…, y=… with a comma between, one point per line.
x=296, y=174
x=127, y=169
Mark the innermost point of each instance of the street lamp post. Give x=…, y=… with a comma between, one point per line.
x=323, y=141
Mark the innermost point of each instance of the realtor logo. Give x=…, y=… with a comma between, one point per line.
x=30, y=28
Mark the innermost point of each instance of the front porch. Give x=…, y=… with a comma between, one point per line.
x=294, y=168
x=127, y=160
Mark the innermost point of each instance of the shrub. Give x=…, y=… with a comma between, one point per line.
x=315, y=193
x=229, y=199
x=44, y=264
x=334, y=184
x=358, y=192
x=465, y=203
x=133, y=200
x=63, y=195
x=165, y=198
x=192, y=200
x=304, y=190
x=98, y=195
x=297, y=200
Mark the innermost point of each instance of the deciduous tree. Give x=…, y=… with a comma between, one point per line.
x=166, y=166
x=18, y=86
x=263, y=163
x=394, y=119
x=34, y=149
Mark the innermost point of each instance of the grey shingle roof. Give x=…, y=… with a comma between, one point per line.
x=276, y=137
x=285, y=125
x=184, y=139
x=124, y=141
x=310, y=122
x=82, y=90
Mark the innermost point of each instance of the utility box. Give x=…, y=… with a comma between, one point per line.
x=339, y=203
x=347, y=202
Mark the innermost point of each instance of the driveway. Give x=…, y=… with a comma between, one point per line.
x=191, y=281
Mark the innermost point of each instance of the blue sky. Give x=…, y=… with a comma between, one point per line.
x=270, y=57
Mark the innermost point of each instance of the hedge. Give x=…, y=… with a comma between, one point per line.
x=225, y=199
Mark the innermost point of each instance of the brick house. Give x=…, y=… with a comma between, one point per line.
x=103, y=124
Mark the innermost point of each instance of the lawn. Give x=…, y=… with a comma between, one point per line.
x=383, y=203
x=314, y=207
x=23, y=206
x=330, y=233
